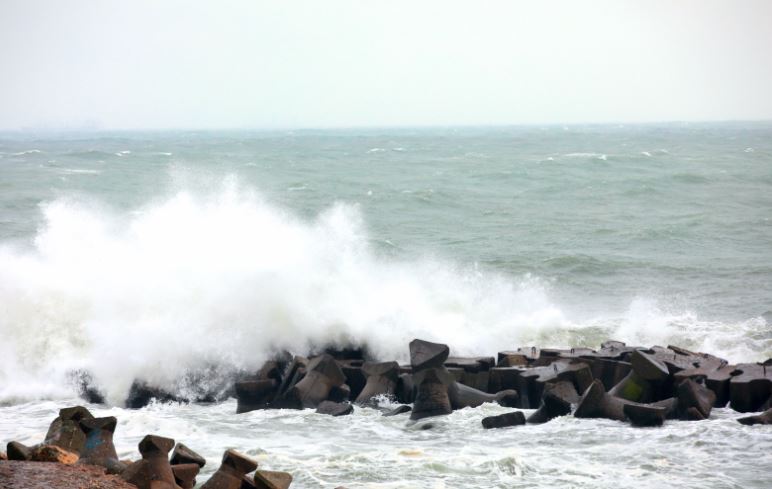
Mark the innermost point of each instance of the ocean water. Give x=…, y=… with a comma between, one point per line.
x=154, y=255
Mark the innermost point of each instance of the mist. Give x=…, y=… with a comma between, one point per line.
x=242, y=64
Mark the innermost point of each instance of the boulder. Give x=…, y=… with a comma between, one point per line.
x=322, y=375
x=607, y=370
x=425, y=355
x=84, y=384
x=154, y=470
x=471, y=371
x=405, y=388
x=715, y=379
x=53, y=453
x=98, y=448
x=65, y=431
x=763, y=418
x=553, y=404
x=511, y=359
x=382, y=379
x=693, y=396
x=530, y=382
x=255, y=394
x=431, y=393
x=462, y=396
x=355, y=376
x=185, y=475
x=291, y=375
x=141, y=394
x=334, y=408
x=596, y=403
x=750, y=387
x=646, y=380
x=398, y=410
x=645, y=414
x=232, y=470
x=18, y=451
x=503, y=420
x=184, y=455
x=270, y=479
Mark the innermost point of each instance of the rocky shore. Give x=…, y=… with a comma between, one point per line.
x=644, y=387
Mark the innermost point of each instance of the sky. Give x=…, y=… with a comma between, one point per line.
x=147, y=64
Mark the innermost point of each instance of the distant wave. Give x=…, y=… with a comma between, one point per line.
x=80, y=171
x=28, y=152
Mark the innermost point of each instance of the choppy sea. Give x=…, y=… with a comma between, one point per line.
x=148, y=255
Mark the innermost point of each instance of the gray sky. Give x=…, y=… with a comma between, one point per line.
x=256, y=64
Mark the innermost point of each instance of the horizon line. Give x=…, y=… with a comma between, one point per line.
x=97, y=129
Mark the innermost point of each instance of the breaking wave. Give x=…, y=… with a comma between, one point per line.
x=224, y=279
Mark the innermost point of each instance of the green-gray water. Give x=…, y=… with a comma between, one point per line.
x=142, y=255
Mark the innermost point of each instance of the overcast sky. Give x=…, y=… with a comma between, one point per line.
x=321, y=63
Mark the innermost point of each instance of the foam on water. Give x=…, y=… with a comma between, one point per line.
x=223, y=279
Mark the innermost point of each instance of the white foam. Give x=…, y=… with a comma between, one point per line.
x=226, y=279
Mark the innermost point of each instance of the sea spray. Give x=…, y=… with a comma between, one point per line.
x=220, y=281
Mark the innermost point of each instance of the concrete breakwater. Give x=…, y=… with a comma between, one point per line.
x=639, y=386
x=643, y=385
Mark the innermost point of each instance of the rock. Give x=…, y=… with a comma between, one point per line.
x=425, y=355
x=398, y=410
x=716, y=379
x=645, y=414
x=53, y=453
x=141, y=394
x=185, y=475
x=38, y=475
x=612, y=344
x=763, y=418
x=84, y=384
x=231, y=472
x=511, y=359
x=648, y=367
x=553, y=404
x=184, y=455
x=503, y=420
x=431, y=393
x=98, y=448
x=646, y=380
x=322, y=375
x=293, y=374
x=355, y=376
x=609, y=371
x=3, y=456
x=750, y=387
x=269, y=479
x=596, y=403
x=462, y=396
x=530, y=382
x=693, y=396
x=340, y=393
x=65, y=431
x=507, y=398
x=670, y=405
x=405, y=389
x=382, y=380
x=153, y=470
x=254, y=394
x=471, y=371
x=334, y=408
x=18, y=451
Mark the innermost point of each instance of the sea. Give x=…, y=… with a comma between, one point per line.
x=167, y=256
